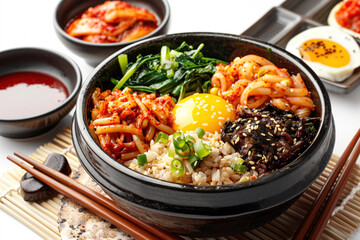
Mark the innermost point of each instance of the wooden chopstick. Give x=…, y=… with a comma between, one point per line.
x=92, y=200
x=318, y=215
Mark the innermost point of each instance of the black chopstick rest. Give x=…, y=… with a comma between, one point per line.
x=33, y=190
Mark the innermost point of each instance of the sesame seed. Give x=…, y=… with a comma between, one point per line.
x=232, y=142
x=253, y=168
x=249, y=153
x=221, y=118
x=257, y=122
x=252, y=162
x=273, y=144
x=245, y=145
x=268, y=139
x=237, y=139
x=270, y=134
x=262, y=134
x=275, y=157
x=264, y=116
x=205, y=124
x=259, y=155
x=245, y=134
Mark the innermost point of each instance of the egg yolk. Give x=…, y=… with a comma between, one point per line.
x=207, y=111
x=326, y=52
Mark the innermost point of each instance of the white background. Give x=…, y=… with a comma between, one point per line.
x=25, y=23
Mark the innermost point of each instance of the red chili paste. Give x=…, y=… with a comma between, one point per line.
x=27, y=94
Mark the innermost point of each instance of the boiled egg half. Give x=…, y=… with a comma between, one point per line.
x=203, y=110
x=330, y=52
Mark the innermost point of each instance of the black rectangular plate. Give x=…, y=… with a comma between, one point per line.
x=282, y=23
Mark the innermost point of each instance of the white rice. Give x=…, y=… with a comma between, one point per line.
x=214, y=169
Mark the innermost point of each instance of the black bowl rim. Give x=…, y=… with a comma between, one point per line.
x=60, y=30
x=59, y=55
x=320, y=88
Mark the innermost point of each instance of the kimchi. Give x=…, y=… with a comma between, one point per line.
x=112, y=21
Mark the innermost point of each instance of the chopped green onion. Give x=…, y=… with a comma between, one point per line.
x=202, y=150
x=162, y=137
x=123, y=62
x=200, y=132
x=178, y=140
x=194, y=161
x=142, y=159
x=238, y=168
x=185, y=152
x=171, y=152
x=177, y=168
x=189, y=138
x=239, y=160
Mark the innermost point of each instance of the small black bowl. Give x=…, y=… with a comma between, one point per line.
x=206, y=211
x=44, y=61
x=94, y=53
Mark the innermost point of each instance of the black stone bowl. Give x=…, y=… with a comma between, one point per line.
x=94, y=53
x=205, y=211
x=46, y=61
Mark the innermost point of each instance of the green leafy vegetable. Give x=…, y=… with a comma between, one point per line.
x=179, y=72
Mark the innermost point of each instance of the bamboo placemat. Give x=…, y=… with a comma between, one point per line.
x=42, y=217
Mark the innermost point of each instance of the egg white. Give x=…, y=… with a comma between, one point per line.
x=333, y=34
x=332, y=21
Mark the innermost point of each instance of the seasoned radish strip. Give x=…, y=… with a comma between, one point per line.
x=251, y=81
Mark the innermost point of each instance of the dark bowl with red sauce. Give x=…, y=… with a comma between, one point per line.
x=205, y=211
x=93, y=53
x=38, y=87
